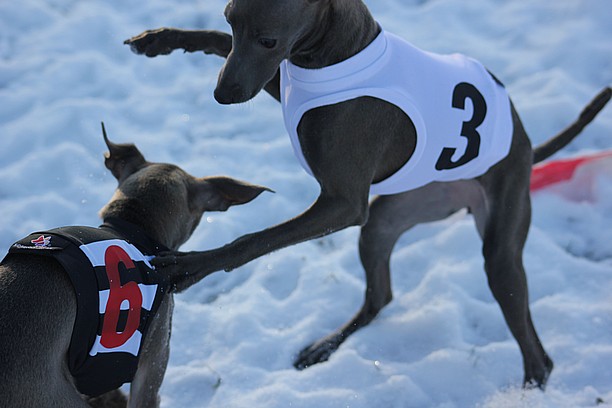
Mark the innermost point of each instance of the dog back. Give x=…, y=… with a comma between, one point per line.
x=117, y=292
x=460, y=112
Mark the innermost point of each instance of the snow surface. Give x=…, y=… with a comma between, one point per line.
x=442, y=342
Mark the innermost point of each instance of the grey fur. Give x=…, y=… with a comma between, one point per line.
x=380, y=139
x=38, y=304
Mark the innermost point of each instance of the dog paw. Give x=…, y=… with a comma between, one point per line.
x=317, y=352
x=182, y=269
x=537, y=377
x=170, y=264
x=151, y=42
x=166, y=259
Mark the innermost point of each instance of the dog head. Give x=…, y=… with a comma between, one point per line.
x=164, y=200
x=264, y=33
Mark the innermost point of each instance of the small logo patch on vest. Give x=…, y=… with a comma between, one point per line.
x=41, y=241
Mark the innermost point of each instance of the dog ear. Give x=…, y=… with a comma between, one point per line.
x=121, y=159
x=219, y=193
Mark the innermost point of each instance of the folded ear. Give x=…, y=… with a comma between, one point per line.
x=219, y=193
x=121, y=159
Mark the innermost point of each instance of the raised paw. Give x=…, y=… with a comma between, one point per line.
x=183, y=269
x=153, y=42
x=167, y=262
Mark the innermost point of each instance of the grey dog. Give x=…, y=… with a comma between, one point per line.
x=154, y=202
x=349, y=145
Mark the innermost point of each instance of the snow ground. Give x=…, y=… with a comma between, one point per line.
x=442, y=342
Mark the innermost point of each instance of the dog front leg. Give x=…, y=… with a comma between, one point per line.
x=325, y=216
x=163, y=41
x=144, y=390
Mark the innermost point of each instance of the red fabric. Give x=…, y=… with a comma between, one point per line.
x=548, y=173
x=111, y=336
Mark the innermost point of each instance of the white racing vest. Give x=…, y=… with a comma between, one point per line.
x=461, y=114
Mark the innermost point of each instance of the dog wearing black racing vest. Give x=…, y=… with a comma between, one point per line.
x=82, y=311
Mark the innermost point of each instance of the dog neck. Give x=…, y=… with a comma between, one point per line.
x=343, y=29
x=134, y=234
x=132, y=212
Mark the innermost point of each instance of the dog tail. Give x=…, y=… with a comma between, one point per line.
x=556, y=143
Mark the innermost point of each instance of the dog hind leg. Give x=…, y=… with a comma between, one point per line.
x=504, y=224
x=503, y=243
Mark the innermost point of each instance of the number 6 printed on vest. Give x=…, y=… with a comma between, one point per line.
x=130, y=292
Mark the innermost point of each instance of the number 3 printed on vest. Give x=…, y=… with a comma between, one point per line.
x=468, y=130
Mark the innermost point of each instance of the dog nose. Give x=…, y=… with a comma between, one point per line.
x=229, y=94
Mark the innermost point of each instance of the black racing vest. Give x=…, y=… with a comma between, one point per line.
x=117, y=291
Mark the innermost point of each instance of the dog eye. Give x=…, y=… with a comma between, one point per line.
x=267, y=42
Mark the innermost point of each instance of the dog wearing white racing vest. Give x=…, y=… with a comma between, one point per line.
x=368, y=113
